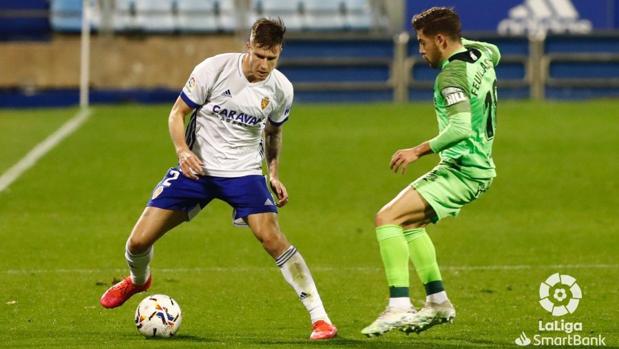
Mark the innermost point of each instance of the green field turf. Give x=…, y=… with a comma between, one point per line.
x=553, y=208
x=22, y=130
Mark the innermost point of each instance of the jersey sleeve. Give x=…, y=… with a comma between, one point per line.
x=454, y=89
x=458, y=129
x=491, y=50
x=280, y=114
x=195, y=91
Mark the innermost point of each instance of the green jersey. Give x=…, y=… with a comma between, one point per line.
x=465, y=98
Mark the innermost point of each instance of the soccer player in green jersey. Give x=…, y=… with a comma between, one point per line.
x=465, y=100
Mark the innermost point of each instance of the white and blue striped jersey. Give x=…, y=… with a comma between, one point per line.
x=225, y=130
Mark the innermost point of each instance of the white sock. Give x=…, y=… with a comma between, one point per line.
x=400, y=302
x=297, y=274
x=437, y=298
x=139, y=265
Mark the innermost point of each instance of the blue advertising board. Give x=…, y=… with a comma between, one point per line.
x=528, y=16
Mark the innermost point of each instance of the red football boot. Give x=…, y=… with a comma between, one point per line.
x=118, y=294
x=322, y=330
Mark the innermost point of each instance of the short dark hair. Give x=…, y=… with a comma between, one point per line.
x=435, y=20
x=267, y=32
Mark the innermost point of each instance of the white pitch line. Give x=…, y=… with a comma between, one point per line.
x=321, y=269
x=43, y=148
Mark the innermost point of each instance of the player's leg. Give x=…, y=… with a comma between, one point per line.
x=438, y=308
x=266, y=229
x=152, y=224
x=421, y=249
x=423, y=255
x=294, y=269
x=446, y=191
x=174, y=200
x=406, y=208
x=253, y=204
x=407, y=211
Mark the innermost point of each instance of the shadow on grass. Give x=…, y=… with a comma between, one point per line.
x=184, y=338
x=376, y=343
x=339, y=342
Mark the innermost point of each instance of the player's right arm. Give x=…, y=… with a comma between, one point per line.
x=193, y=95
x=188, y=162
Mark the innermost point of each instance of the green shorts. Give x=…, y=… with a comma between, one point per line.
x=446, y=189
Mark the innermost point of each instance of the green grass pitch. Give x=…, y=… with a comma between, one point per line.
x=63, y=225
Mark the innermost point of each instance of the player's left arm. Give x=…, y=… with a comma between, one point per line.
x=458, y=129
x=273, y=141
x=404, y=157
x=273, y=145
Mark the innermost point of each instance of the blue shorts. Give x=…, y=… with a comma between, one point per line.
x=247, y=195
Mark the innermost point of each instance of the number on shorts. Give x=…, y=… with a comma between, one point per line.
x=173, y=176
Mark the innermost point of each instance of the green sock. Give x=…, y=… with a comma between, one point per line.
x=394, y=252
x=423, y=256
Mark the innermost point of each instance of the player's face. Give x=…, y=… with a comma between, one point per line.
x=261, y=61
x=429, y=49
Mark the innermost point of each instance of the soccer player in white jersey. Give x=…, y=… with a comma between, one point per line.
x=236, y=98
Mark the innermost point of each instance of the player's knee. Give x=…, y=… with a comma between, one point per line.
x=268, y=233
x=273, y=242
x=137, y=245
x=383, y=217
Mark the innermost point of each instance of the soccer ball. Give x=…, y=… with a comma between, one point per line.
x=158, y=316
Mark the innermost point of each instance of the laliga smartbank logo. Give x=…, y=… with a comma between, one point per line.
x=559, y=295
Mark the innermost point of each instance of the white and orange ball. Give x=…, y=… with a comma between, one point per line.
x=158, y=316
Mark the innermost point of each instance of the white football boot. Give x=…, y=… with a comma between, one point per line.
x=389, y=319
x=431, y=314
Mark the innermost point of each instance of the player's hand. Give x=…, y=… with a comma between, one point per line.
x=402, y=158
x=190, y=164
x=280, y=190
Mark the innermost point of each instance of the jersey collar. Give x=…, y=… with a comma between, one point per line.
x=445, y=62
